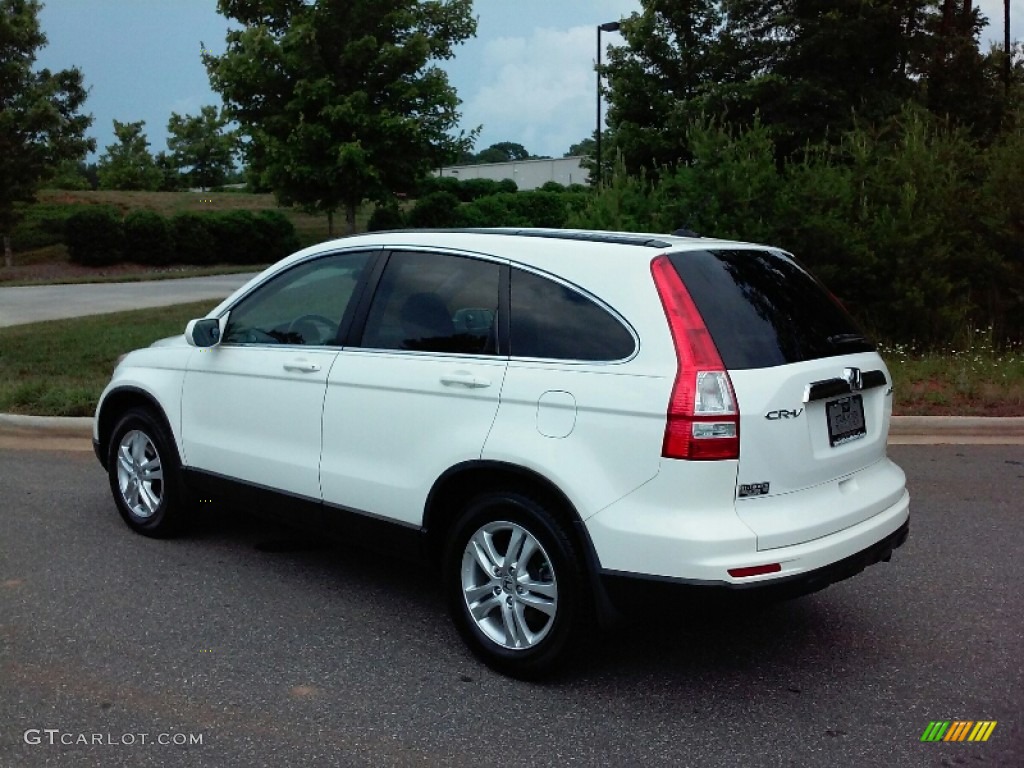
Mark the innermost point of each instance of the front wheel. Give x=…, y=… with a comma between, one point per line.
x=142, y=466
x=515, y=587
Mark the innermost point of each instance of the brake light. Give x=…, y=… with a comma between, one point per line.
x=703, y=419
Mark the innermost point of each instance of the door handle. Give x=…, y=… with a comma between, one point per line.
x=302, y=366
x=465, y=379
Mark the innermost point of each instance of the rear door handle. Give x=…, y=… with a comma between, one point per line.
x=465, y=379
x=302, y=366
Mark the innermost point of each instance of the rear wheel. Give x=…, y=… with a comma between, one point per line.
x=515, y=587
x=143, y=469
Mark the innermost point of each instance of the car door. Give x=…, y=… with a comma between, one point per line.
x=251, y=407
x=419, y=391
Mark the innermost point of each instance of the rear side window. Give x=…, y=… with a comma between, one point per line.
x=551, y=320
x=763, y=309
x=434, y=302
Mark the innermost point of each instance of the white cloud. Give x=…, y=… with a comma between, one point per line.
x=539, y=90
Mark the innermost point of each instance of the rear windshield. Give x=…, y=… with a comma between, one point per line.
x=763, y=309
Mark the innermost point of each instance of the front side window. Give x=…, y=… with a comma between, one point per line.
x=551, y=320
x=304, y=305
x=435, y=302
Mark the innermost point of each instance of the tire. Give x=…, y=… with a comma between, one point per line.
x=144, y=472
x=520, y=616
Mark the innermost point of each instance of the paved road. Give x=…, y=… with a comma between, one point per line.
x=277, y=652
x=30, y=304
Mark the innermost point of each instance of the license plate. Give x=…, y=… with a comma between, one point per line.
x=845, y=419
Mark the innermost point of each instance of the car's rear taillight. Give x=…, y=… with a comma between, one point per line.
x=703, y=416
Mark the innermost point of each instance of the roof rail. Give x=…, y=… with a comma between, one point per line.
x=617, y=238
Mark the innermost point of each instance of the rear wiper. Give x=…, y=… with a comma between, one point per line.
x=847, y=338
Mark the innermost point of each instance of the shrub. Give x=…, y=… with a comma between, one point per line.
x=193, y=242
x=147, y=238
x=492, y=211
x=276, y=236
x=40, y=225
x=235, y=238
x=474, y=189
x=386, y=216
x=94, y=236
x=523, y=209
x=432, y=184
x=438, y=209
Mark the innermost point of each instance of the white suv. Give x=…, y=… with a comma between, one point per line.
x=559, y=420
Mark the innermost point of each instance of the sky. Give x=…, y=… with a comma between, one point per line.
x=527, y=77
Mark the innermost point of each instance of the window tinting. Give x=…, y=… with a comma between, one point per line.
x=432, y=302
x=763, y=309
x=550, y=320
x=304, y=305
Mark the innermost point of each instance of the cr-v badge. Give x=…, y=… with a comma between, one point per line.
x=782, y=413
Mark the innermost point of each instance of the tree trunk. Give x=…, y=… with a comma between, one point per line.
x=8, y=255
x=350, y=219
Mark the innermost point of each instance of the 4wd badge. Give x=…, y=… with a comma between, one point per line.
x=754, y=489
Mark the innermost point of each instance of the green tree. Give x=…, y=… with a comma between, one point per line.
x=201, y=147
x=70, y=174
x=503, y=152
x=40, y=124
x=672, y=54
x=342, y=100
x=806, y=67
x=170, y=179
x=582, y=148
x=128, y=163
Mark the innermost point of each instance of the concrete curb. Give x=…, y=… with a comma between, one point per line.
x=953, y=430
x=964, y=426
x=16, y=425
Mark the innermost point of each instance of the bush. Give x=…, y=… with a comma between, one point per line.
x=494, y=211
x=193, y=242
x=474, y=189
x=94, y=236
x=147, y=238
x=524, y=209
x=432, y=184
x=386, y=216
x=40, y=225
x=235, y=238
x=275, y=235
x=438, y=209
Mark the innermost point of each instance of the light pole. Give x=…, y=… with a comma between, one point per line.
x=611, y=26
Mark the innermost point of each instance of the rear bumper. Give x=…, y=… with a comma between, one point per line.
x=629, y=592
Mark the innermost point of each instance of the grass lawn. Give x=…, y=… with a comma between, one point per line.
x=59, y=368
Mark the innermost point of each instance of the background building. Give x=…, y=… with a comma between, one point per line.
x=527, y=174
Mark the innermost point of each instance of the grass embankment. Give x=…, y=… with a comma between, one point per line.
x=59, y=368
x=976, y=380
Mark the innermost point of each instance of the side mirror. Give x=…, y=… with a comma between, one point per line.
x=206, y=332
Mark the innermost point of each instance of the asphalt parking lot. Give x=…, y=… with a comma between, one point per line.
x=278, y=650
